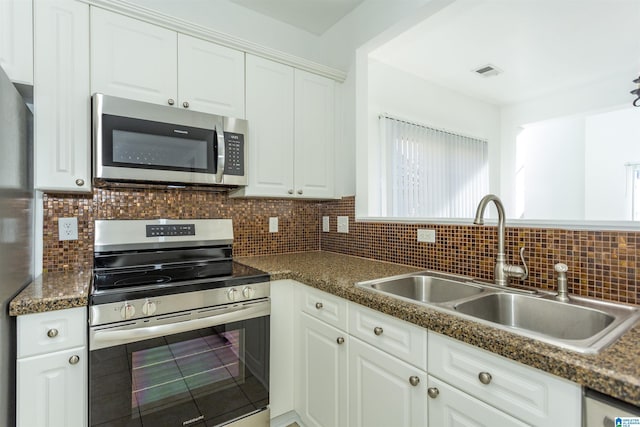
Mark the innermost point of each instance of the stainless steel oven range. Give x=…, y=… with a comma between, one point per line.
x=179, y=333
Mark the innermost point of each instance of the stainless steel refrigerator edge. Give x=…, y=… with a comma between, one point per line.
x=16, y=228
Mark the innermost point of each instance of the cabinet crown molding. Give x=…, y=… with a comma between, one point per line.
x=195, y=30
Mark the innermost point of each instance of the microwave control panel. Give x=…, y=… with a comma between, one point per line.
x=234, y=154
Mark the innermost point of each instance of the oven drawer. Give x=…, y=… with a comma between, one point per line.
x=51, y=331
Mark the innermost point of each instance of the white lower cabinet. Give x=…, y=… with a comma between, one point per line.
x=321, y=397
x=51, y=369
x=452, y=408
x=383, y=390
x=51, y=390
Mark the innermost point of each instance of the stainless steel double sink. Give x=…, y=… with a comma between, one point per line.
x=583, y=324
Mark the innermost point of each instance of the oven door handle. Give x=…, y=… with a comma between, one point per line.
x=112, y=337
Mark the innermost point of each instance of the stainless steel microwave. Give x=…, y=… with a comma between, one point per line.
x=136, y=141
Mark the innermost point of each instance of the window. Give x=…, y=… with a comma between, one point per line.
x=432, y=173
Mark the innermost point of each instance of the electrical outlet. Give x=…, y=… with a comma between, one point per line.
x=428, y=236
x=325, y=224
x=273, y=224
x=343, y=224
x=68, y=228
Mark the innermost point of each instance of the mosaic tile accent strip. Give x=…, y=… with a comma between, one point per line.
x=299, y=227
x=602, y=264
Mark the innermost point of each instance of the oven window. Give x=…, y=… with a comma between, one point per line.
x=199, y=378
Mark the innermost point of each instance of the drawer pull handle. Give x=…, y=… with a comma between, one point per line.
x=185, y=104
x=73, y=360
x=340, y=340
x=433, y=392
x=319, y=305
x=52, y=333
x=170, y=101
x=79, y=182
x=378, y=330
x=414, y=381
x=485, y=377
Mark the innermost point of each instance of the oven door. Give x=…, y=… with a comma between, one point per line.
x=206, y=376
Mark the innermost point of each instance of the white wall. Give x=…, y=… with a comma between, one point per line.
x=554, y=168
x=398, y=93
x=612, y=139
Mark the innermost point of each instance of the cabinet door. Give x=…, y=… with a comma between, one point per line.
x=133, y=59
x=270, y=115
x=210, y=77
x=52, y=389
x=453, y=408
x=383, y=390
x=61, y=96
x=16, y=40
x=314, y=135
x=321, y=395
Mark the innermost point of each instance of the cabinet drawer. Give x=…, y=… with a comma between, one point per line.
x=51, y=331
x=397, y=337
x=324, y=306
x=526, y=393
x=451, y=407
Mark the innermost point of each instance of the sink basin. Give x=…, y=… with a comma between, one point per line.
x=548, y=317
x=583, y=324
x=425, y=288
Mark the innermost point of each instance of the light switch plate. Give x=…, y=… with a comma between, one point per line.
x=273, y=224
x=325, y=224
x=68, y=228
x=425, y=235
x=343, y=224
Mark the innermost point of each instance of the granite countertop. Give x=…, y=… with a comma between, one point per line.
x=52, y=291
x=614, y=371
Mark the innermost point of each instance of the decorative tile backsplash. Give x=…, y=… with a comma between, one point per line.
x=602, y=264
x=298, y=220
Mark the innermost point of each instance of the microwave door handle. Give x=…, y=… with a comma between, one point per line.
x=221, y=157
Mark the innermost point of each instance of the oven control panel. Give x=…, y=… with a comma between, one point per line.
x=101, y=314
x=161, y=230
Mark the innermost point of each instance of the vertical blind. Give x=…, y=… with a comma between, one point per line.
x=432, y=173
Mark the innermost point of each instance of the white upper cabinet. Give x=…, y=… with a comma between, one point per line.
x=314, y=135
x=210, y=77
x=16, y=40
x=61, y=96
x=270, y=117
x=291, y=131
x=137, y=60
x=133, y=59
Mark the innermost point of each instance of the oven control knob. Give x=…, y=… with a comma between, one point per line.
x=248, y=292
x=232, y=294
x=127, y=311
x=149, y=308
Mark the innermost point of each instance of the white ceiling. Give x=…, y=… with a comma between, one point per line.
x=314, y=16
x=541, y=45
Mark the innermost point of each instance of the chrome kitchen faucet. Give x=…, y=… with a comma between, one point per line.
x=502, y=271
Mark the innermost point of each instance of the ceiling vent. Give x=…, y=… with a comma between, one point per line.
x=488, y=70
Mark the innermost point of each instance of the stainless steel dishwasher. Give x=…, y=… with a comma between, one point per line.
x=601, y=410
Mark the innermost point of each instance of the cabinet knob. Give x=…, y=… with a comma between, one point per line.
x=484, y=377
x=433, y=392
x=414, y=381
x=290, y=192
x=171, y=101
x=73, y=360
x=378, y=330
x=185, y=104
x=79, y=182
x=52, y=333
x=299, y=191
x=319, y=305
x=340, y=340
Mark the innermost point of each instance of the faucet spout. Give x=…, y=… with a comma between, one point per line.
x=502, y=270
